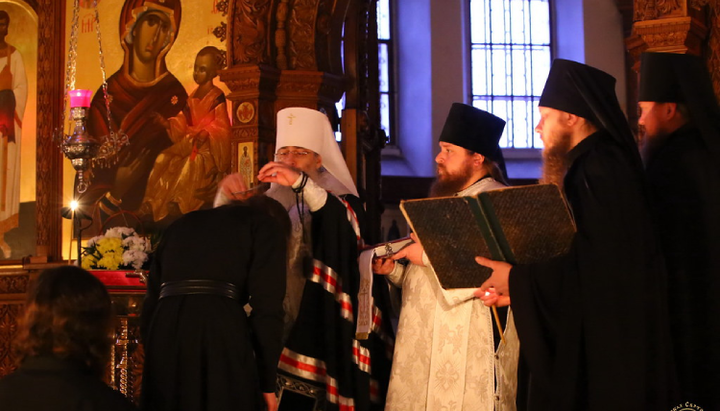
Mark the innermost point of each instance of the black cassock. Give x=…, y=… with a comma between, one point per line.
x=51, y=384
x=684, y=180
x=322, y=351
x=593, y=323
x=202, y=352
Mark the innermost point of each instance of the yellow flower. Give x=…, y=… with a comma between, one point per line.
x=118, y=248
x=88, y=262
x=110, y=260
x=107, y=245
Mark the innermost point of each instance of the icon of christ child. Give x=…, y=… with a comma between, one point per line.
x=185, y=175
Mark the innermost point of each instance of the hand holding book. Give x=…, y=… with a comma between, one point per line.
x=496, y=290
x=519, y=225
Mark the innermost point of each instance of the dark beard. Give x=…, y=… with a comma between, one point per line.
x=555, y=162
x=649, y=145
x=450, y=184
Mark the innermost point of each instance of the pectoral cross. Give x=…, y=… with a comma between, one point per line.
x=291, y=117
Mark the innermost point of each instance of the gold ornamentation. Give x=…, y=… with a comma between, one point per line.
x=222, y=7
x=249, y=31
x=666, y=7
x=221, y=31
x=245, y=112
x=301, y=27
x=14, y=284
x=9, y=314
x=281, y=35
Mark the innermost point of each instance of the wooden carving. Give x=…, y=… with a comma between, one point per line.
x=14, y=284
x=672, y=26
x=249, y=31
x=694, y=31
x=654, y=9
x=301, y=27
x=51, y=18
x=281, y=35
x=712, y=50
x=329, y=35
x=699, y=4
x=668, y=7
x=9, y=314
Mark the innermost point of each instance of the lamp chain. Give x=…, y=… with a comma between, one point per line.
x=72, y=61
x=113, y=141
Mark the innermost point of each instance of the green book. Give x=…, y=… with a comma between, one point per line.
x=520, y=225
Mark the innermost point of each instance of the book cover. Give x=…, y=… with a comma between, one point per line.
x=520, y=225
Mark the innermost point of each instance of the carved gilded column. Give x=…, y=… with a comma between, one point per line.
x=672, y=26
x=51, y=18
x=253, y=131
x=281, y=53
x=312, y=89
x=666, y=26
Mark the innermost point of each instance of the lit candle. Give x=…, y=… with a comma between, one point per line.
x=79, y=98
x=73, y=207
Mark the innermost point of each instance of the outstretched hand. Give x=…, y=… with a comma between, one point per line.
x=233, y=187
x=274, y=172
x=490, y=298
x=496, y=290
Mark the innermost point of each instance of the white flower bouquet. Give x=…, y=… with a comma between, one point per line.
x=120, y=248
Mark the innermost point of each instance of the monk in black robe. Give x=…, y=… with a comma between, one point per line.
x=202, y=351
x=681, y=151
x=592, y=323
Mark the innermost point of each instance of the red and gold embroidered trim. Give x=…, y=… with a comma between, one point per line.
x=352, y=218
x=328, y=279
x=313, y=369
x=377, y=329
x=361, y=357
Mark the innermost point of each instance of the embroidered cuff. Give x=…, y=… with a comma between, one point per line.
x=315, y=196
x=397, y=274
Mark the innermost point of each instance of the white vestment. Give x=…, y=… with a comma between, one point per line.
x=10, y=151
x=445, y=357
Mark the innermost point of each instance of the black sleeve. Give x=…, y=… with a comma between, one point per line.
x=266, y=288
x=598, y=308
x=152, y=292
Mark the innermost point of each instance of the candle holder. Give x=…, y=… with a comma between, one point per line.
x=80, y=147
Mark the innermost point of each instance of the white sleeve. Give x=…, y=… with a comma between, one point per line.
x=314, y=195
x=220, y=198
x=397, y=275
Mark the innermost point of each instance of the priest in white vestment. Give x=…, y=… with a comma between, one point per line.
x=445, y=352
